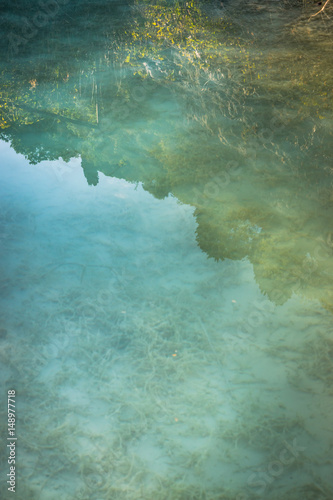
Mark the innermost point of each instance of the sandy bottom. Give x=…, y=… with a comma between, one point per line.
x=144, y=370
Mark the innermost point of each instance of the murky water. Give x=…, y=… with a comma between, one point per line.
x=166, y=250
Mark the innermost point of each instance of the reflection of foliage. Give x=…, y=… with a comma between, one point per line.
x=177, y=44
x=182, y=27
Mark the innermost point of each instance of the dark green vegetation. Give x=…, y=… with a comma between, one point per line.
x=244, y=136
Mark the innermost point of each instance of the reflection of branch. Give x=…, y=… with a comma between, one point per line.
x=49, y=113
x=55, y=115
x=321, y=10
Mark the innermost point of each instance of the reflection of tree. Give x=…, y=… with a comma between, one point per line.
x=244, y=164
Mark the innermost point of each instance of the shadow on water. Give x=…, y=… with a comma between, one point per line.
x=228, y=109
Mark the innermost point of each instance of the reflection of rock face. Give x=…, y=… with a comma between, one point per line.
x=90, y=172
x=256, y=170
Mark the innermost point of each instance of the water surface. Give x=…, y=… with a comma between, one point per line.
x=166, y=250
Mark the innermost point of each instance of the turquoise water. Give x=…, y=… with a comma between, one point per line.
x=166, y=250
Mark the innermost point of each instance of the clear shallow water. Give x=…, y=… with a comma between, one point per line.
x=145, y=369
